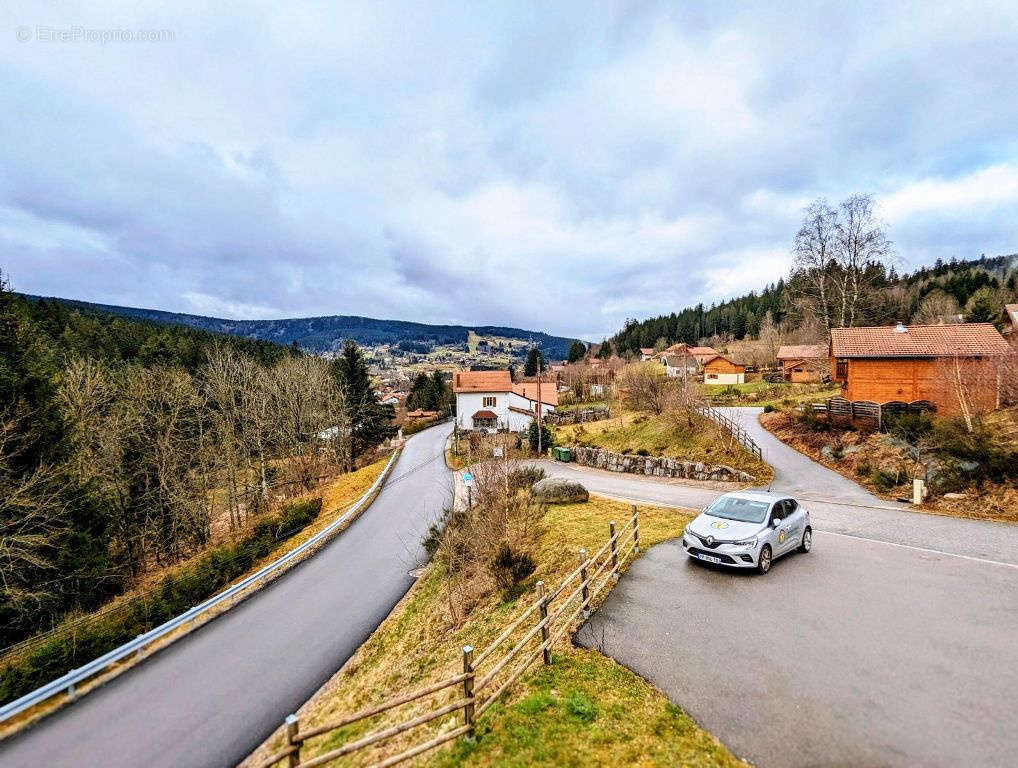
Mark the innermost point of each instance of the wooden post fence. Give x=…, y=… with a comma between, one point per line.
x=292, y=740
x=585, y=584
x=468, y=689
x=615, y=550
x=546, y=650
x=557, y=609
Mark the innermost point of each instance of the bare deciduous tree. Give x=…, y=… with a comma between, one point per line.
x=646, y=388
x=860, y=243
x=814, y=249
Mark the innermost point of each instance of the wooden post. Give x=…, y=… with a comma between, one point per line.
x=292, y=729
x=586, y=586
x=636, y=531
x=615, y=550
x=544, y=628
x=468, y=690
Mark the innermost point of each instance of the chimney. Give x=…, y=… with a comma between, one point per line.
x=900, y=328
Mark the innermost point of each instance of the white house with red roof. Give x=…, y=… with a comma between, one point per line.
x=489, y=401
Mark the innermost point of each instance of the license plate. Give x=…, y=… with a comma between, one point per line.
x=709, y=558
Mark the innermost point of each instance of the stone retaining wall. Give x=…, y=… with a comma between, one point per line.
x=578, y=417
x=657, y=466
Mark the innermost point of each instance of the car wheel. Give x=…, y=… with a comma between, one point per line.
x=807, y=541
x=764, y=563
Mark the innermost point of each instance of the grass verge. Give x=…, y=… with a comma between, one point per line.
x=583, y=710
x=768, y=393
x=629, y=432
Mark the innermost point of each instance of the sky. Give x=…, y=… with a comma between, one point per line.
x=552, y=166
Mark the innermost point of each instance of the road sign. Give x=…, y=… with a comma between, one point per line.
x=468, y=479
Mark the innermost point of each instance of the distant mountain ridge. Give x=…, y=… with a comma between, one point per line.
x=326, y=333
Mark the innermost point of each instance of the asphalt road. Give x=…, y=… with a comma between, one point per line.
x=837, y=504
x=891, y=644
x=211, y=697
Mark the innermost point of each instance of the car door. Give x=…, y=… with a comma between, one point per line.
x=795, y=523
x=777, y=520
x=783, y=538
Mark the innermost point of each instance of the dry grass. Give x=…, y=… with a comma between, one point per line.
x=665, y=435
x=583, y=710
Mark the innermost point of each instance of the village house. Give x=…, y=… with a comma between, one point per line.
x=802, y=363
x=646, y=353
x=680, y=365
x=703, y=354
x=945, y=365
x=723, y=370
x=488, y=400
x=1011, y=321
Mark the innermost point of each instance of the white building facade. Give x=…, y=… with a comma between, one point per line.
x=489, y=401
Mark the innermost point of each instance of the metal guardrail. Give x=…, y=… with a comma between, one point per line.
x=68, y=682
x=735, y=428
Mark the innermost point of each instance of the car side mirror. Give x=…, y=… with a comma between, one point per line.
x=775, y=522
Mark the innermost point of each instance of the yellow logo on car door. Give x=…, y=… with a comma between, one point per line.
x=781, y=538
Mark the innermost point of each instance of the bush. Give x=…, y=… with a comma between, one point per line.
x=547, y=440
x=812, y=421
x=910, y=427
x=176, y=593
x=510, y=568
x=524, y=478
x=643, y=452
x=885, y=479
x=768, y=408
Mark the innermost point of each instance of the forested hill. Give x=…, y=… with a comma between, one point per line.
x=891, y=297
x=327, y=334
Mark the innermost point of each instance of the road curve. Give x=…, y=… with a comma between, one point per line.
x=838, y=505
x=211, y=697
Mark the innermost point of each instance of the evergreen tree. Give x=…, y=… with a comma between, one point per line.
x=535, y=362
x=577, y=351
x=605, y=350
x=982, y=307
x=369, y=421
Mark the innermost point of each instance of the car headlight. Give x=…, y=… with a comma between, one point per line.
x=745, y=543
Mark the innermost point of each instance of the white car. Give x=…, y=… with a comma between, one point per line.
x=748, y=529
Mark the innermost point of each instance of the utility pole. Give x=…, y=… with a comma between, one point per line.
x=540, y=442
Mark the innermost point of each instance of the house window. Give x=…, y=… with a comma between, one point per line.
x=712, y=375
x=841, y=371
x=484, y=423
x=489, y=402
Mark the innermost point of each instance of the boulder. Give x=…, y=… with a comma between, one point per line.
x=557, y=490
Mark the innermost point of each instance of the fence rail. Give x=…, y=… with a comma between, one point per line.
x=738, y=432
x=552, y=613
x=68, y=683
x=869, y=410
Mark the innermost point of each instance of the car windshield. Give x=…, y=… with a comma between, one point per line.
x=735, y=508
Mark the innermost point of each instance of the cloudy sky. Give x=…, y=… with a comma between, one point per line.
x=559, y=166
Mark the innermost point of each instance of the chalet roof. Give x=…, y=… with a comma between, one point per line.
x=485, y=415
x=676, y=360
x=802, y=351
x=722, y=357
x=482, y=381
x=964, y=340
x=702, y=351
x=646, y=350
x=528, y=389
